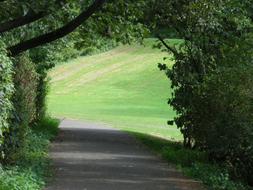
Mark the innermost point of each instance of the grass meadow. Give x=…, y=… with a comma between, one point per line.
x=122, y=87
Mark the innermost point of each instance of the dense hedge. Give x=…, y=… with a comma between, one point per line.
x=25, y=81
x=6, y=91
x=24, y=106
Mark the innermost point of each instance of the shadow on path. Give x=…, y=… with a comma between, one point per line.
x=93, y=157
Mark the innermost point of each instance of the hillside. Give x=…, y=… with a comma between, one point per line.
x=122, y=87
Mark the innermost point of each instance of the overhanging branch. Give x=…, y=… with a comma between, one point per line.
x=20, y=21
x=30, y=17
x=56, y=34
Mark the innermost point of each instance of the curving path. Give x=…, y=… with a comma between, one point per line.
x=94, y=157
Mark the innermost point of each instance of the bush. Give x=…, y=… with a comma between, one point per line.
x=6, y=91
x=25, y=83
x=223, y=120
x=212, y=79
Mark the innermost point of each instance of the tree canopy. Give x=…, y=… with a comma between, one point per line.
x=46, y=21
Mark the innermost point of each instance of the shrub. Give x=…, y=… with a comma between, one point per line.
x=212, y=81
x=223, y=118
x=6, y=91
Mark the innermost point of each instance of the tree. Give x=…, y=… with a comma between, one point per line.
x=41, y=12
x=51, y=36
x=212, y=79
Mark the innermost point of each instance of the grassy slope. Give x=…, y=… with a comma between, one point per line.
x=122, y=87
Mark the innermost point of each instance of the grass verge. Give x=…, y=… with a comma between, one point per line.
x=192, y=163
x=33, y=167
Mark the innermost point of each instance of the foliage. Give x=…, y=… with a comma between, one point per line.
x=223, y=103
x=48, y=127
x=43, y=59
x=24, y=107
x=6, y=91
x=119, y=24
x=42, y=90
x=213, y=105
x=33, y=164
x=25, y=81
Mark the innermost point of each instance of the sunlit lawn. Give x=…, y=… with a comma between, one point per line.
x=122, y=88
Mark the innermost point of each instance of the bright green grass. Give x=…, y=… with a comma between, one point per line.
x=122, y=87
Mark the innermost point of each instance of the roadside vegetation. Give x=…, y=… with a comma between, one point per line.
x=33, y=166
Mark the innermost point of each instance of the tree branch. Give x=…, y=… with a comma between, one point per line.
x=56, y=34
x=171, y=49
x=30, y=17
x=20, y=21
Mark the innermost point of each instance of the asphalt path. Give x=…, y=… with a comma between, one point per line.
x=89, y=156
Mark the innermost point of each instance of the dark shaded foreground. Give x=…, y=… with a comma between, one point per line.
x=93, y=157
